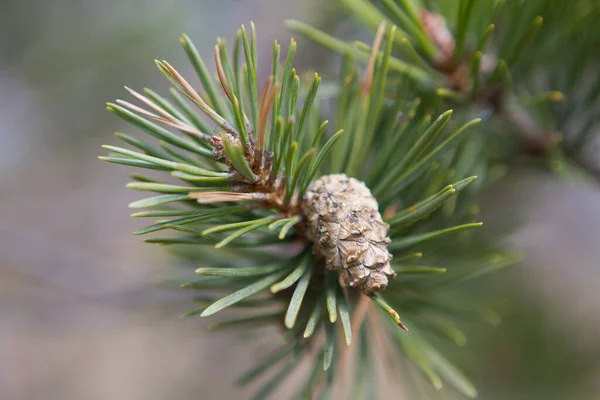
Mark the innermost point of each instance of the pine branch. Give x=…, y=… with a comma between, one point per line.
x=477, y=63
x=305, y=239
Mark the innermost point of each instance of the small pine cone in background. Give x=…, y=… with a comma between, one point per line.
x=344, y=222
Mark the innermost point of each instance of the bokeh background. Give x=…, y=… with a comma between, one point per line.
x=84, y=310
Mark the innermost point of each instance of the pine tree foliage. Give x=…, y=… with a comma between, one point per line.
x=511, y=62
x=232, y=172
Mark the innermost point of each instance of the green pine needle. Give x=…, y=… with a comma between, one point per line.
x=241, y=294
x=296, y=301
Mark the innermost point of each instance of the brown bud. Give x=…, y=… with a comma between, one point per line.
x=438, y=31
x=344, y=223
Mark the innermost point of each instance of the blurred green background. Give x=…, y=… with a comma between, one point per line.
x=83, y=315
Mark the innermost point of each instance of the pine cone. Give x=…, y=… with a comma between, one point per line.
x=347, y=229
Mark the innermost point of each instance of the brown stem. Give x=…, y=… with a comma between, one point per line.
x=538, y=142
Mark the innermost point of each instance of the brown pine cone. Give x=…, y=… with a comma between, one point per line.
x=344, y=222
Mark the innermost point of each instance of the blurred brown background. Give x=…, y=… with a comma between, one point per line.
x=82, y=314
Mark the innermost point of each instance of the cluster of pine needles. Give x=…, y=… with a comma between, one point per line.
x=237, y=172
